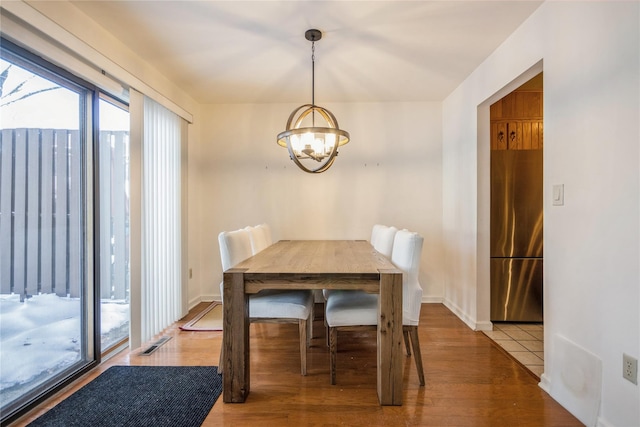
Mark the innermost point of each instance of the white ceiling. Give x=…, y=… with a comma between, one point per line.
x=256, y=52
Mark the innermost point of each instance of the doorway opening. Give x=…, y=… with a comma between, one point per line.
x=516, y=224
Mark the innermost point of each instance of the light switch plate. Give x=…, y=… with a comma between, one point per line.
x=558, y=195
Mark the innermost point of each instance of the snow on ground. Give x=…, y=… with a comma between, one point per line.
x=41, y=336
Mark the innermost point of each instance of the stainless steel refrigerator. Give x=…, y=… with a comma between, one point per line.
x=516, y=235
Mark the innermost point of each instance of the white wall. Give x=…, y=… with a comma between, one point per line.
x=390, y=173
x=590, y=53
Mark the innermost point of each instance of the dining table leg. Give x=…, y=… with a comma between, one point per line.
x=235, y=339
x=390, y=338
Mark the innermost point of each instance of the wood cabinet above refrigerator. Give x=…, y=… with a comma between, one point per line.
x=516, y=122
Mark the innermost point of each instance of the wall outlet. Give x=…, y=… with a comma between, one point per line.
x=630, y=368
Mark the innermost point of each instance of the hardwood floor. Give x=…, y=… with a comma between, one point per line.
x=470, y=381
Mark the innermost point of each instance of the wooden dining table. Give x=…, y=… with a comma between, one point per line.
x=313, y=264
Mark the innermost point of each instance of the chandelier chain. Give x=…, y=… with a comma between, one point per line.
x=313, y=81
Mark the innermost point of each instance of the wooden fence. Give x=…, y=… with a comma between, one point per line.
x=114, y=214
x=42, y=214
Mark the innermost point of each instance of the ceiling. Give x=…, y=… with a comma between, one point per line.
x=256, y=52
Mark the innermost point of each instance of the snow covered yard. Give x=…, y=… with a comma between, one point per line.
x=41, y=336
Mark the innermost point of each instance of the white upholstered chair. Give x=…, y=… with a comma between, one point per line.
x=260, y=237
x=375, y=230
x=346, y=310
x=382, y=239
x=268, y=306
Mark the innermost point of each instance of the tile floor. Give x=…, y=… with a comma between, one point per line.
x=523, y=341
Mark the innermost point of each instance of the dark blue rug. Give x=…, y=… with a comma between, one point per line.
x=140, y=396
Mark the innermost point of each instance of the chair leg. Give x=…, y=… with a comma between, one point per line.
x=312, y=316
x=333, y=349
x=309, y=330
x=220, y=364
x=326, y=330
x=417, y=355
x=405, y=334
x=302, y=328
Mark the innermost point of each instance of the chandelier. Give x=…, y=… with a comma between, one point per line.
x=313, y=148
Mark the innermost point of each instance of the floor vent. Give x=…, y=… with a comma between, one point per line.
x=156, y=345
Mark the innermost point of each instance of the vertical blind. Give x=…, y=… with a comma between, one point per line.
x=161, y=223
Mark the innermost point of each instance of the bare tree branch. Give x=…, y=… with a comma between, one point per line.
x=15, y=89
x=3, y=78
x=28, y=95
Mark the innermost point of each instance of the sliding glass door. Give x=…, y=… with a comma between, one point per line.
x=114, y=257
x=47, y=295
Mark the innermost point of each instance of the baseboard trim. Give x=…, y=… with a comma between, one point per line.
x=461, y=314
x=603, y=423
x=203, y=298
x=545, y=383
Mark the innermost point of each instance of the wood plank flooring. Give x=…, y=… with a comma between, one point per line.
x=470, y=381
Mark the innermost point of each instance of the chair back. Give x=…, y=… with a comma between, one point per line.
x=375, y=232
x=267, y=232
x=406, y=254
x=259, y=238
x=384, y=240
x=235, y=247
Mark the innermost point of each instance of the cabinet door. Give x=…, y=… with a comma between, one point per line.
x=536, y=135
x=498, y=135
x=521, y=134
x=530, y=135
x=514, y=136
